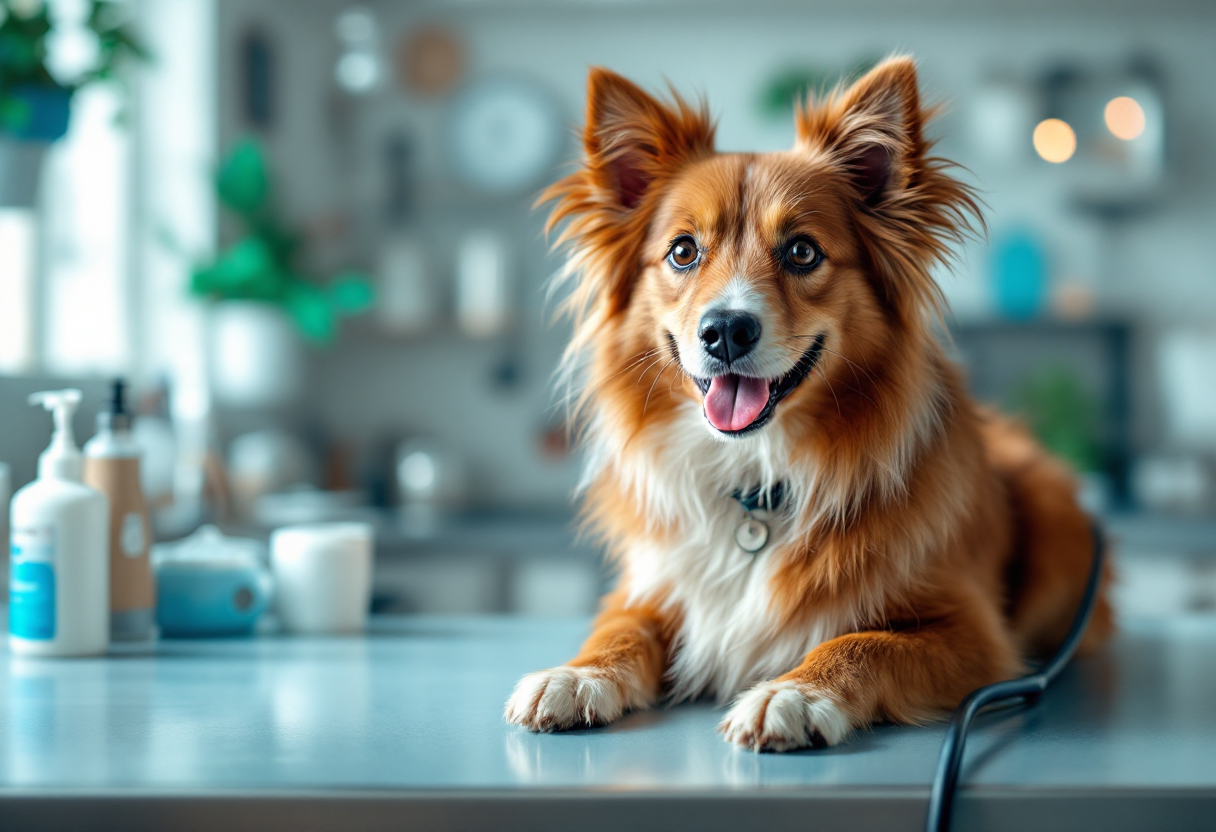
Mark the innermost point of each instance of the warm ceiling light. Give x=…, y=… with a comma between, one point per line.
x=1054, y=140
x=1125, y=117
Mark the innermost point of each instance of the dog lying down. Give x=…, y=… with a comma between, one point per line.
x=810, y=517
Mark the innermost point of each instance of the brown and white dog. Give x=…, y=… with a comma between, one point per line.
x=809, y=515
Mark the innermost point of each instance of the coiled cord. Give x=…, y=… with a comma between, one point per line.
x=1028, y=688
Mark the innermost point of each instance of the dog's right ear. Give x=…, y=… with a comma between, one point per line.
x=633, y=141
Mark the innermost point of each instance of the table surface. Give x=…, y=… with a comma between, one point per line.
x=413, y=710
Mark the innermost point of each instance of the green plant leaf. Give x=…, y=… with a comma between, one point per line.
x=1062, y=414
x=243, y=182
x=352, y=293
x=15, y=113
x=261, y=265
x=24, y=35
x=244, y=271
x=202, y=281
x=281, y=241
x=311, y=311
x=20, y=52
x=254, y=271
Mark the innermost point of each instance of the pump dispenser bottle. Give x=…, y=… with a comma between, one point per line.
x=59, y=574
x=111, y=465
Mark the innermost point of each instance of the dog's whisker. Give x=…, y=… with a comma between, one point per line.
x=853, y=366
x=828, y=382
x=622, y=372
x=662, y=370
x=651, y=353
x=839, y=355
x=679, y=376
x=645, y=372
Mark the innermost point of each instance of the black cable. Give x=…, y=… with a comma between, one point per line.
x=1028, y=688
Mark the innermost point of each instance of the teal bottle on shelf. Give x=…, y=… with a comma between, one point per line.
x=1019, y=274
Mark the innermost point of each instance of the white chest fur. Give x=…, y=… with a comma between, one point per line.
x=730, y=636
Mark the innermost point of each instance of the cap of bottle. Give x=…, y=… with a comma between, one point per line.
x=61, y=459
x=116, y=416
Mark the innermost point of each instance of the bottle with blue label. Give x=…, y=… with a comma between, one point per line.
x=59, y=576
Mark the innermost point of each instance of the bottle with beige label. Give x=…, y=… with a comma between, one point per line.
x=111, y=466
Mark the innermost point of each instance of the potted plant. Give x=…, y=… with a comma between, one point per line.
x=35, y=101
x=263, y=294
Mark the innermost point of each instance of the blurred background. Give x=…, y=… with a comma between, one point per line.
x=304, y=232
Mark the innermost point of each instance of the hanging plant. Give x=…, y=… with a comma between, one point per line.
x=34, y=95
x=262, y=264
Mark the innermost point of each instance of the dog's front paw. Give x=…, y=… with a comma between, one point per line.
x=565, y=697
x=782, y=716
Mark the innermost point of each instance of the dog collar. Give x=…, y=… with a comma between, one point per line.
x=768, y=499
x=753, y=533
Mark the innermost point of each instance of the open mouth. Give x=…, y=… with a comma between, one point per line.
x=737, y=404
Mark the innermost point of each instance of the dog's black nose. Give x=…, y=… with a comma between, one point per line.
x=729, y=335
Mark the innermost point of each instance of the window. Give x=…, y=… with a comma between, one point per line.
x=18, y=242
x=88, y=285
x=86, y=219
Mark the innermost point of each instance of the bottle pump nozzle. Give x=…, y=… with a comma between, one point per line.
x=115, y=417
x=61, y=459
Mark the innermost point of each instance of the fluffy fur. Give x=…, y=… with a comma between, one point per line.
x=923, y=547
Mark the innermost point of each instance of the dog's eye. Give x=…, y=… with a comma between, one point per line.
x=802, y=254
x=684, y=253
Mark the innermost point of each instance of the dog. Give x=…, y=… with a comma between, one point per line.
x=809, y=516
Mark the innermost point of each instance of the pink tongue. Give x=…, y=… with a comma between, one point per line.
x=733, y=402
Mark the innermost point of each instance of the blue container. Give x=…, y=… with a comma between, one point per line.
x=47, y=111
x=42, y=113
x=203, y=597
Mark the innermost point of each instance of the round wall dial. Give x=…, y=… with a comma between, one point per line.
x=504, y=135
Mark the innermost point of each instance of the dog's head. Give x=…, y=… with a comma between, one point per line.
x=744, y=282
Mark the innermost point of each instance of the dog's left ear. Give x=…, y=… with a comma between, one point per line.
x=873, y=129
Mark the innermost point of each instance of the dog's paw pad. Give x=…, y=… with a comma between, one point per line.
x=564, y=697
x=783, y=716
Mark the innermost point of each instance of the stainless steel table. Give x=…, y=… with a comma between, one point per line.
x=403, y=730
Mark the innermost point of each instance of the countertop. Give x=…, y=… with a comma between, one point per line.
x=403, y=729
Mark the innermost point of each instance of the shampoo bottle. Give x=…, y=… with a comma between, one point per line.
x=59, y=572
x=111, y=465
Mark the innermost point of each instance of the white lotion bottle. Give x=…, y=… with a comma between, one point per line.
x=59, y=573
